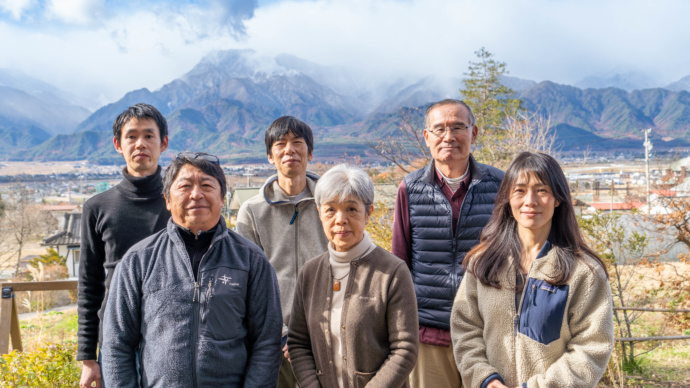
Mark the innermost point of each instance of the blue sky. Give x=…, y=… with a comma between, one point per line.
x=104, y=48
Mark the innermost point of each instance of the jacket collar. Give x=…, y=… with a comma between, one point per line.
x=275, y=196
x=221, y=230
x=476, y=172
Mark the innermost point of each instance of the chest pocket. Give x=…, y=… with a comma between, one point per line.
x=543, y=308
x=223, y=294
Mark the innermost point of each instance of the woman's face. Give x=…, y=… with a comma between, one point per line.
x=532, y=204
x=344, y=222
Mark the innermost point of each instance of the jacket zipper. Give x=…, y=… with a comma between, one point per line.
x=197, y=299
x=455, y=236
x=296, y=242
x=517, y=315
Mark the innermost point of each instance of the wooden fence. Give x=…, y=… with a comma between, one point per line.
x=9, y=320
x=656, y=310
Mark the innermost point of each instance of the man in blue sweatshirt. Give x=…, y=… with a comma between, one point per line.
x=199, y=301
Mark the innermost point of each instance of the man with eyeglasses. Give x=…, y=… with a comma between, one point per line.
x=115, y=220
x=200, y=301
x=282, y=219
x=440, y=212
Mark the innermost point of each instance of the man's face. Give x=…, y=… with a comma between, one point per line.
x=141, y=145
x=450, y=147
x=195, y=199
x=290, y=156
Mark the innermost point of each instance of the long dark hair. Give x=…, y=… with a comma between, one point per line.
x=499, y=239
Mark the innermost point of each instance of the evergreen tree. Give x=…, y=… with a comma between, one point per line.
x=492, y=104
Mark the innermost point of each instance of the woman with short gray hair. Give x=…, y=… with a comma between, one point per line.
x=354, y=317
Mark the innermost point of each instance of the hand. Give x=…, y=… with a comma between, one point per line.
x=496, y=383
x=285, y=352
x=90, y=373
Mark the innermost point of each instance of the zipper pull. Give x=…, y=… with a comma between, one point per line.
x=196, y=291
x=534, y=295
x=210, y=289
x=292, y=221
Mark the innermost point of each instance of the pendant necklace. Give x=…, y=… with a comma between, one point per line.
x=336, y=282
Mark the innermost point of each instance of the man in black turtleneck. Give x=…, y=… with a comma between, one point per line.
x=115, y=220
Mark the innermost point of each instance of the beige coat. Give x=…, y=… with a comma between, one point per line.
x=379, y=332
x=489, y=336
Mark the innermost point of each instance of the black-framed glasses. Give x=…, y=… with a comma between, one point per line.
x=202, y=155
x=454, y=130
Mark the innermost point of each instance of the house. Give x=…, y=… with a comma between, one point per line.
x=66, y=241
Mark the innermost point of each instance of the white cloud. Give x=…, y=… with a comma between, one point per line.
x=540, y=39
x=16, y=8
x=106, y=50
x=74, y=11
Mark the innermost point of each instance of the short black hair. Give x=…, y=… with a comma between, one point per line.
x=284, y=124
x=140, y=111
x=209, y=168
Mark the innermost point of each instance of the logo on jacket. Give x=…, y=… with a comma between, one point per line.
x=226, y=279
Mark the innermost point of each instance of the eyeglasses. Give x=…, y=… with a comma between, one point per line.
x=454, y=130
x=202, y=155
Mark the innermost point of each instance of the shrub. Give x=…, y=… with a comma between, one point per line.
x=50, y=365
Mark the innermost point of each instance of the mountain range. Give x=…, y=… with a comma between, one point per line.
x=224, y=104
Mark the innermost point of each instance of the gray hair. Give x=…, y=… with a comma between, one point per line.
x=343, y=181
x=448, y=101
x=209, y=168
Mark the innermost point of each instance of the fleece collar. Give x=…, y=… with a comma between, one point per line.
x=274, y=195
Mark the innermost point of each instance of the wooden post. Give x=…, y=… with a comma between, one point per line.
x=9, y=319
x=9, y=322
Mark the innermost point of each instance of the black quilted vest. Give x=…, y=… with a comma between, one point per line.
x=437, y=254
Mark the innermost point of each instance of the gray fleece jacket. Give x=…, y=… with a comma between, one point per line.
x=289, y=234
x=222, y=330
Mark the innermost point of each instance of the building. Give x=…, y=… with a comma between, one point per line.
x=66, y=241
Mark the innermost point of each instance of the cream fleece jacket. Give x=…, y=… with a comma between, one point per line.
x=524, y=347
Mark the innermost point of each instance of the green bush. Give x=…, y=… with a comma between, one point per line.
x=50, y=365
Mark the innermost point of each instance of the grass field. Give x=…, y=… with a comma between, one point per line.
x=667, y=365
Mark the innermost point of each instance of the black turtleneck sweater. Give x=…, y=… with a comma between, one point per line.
x=196, y=245
x=112, y=222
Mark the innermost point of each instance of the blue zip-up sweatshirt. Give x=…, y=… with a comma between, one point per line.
x=223, y=330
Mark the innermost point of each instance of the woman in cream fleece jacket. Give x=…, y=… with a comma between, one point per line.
x=354, y=317
x=545, y=318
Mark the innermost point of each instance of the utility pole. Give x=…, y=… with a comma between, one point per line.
x=647, y=147
x=248, y=174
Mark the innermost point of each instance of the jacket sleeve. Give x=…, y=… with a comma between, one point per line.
x=590, y=319
x=245, y=224
x=299, y=341
x=122, y=325
x=403, y=332
x=264, y=324
x=402, y=242
x=91, y=289
x=467, y=334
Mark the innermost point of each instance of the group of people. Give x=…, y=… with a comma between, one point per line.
x=488, y=284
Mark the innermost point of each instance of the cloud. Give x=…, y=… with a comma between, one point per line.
x=16, y=8
x=111, y=47
x=75, y=11
x=539, y=39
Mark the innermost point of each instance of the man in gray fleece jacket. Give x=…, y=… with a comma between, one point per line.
x=200, y=302
x=282, y=219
